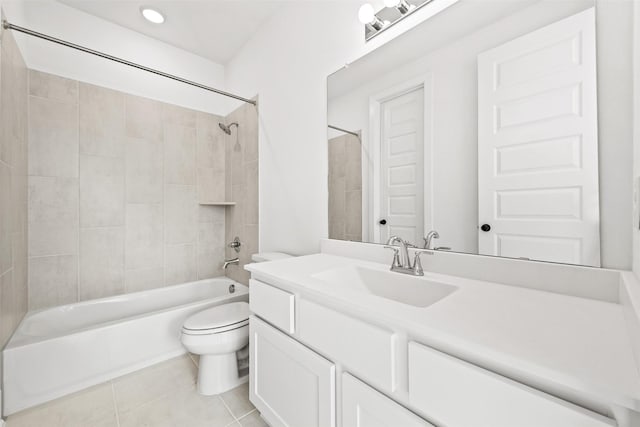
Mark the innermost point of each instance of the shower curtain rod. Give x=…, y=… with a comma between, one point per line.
x=343, y=130
x=8, y=26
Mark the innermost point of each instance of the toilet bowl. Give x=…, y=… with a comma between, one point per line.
x=216, y=334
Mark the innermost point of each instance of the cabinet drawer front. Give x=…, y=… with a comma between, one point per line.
x=273, y=305
x=290, y=384
x=363, y=406
x=364, y=349
x=453, y=392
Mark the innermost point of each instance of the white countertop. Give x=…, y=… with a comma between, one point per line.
x=550, y=340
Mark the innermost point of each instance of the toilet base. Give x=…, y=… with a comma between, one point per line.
x=218, y=373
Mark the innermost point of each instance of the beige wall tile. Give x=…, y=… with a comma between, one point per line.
x=6, y=218
x=353, y=213
x=13, y=186
x=45, y=85
x=101, y=262
x=53, y=216
x=211, y=142
x=7, y=316
x=102, y=123
x=144, y=237
x=250, y=133
x=211, y=250
x=214, y=214
x=53, y=280
x=20, y=275
x=53, y=138
x=179, y=155
x=144, y=171
x=180, y=214
x=144, y=279
x=176, y=115
x=101, y=191
x=180, y=264
x=143, y=118
x=211, y=185
x=241, y=186
x=251, y=199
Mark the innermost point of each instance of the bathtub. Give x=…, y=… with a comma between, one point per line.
x=64, y=349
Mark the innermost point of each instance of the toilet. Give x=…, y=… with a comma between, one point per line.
x=216, y=335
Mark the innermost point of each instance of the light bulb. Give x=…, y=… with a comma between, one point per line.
x=366, y=14
x=392, y=3
x=152, y=15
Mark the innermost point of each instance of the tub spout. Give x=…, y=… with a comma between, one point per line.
x=228, y=262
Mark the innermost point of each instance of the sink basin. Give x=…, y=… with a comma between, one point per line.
x=405, y=289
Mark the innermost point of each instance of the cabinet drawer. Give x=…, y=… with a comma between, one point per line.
x=290, y=385
x=273, y=305
x=363, y=406
x=364, y=349
x=452, y=392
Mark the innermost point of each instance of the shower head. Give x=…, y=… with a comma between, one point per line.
x=227, y=128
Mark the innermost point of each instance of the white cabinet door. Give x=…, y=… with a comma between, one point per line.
x=289, y=384
x=363, y=406
x=538, y=145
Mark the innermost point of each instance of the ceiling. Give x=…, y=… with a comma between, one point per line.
x=214, y=29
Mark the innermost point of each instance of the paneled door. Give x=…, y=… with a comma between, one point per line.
x=538, y=145
x=402, y=166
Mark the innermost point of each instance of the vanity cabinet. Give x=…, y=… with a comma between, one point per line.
x=380, y=376
x=290, y=385
x=362, y=406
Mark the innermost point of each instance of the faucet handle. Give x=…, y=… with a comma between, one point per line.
x=417, y=264
x=396, y=256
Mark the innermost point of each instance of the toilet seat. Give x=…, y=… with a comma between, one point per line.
x=218, y=319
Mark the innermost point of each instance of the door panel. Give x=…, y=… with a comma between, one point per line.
x=402, y=166
x=538, y=146
x=290, y=385
x=363, y=406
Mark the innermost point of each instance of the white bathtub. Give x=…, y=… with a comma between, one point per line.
x=64, y=349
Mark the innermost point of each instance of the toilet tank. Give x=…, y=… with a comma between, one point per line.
x=269, y=256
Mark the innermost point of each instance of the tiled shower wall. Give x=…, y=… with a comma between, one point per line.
x=13, y=187
x=242, y=187
x=114, y=187
x=345, y=188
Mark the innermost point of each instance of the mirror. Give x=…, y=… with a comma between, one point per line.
x=477, y=131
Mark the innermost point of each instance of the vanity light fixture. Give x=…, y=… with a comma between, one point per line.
x=152, y=15
x=402, y=5
x=367, y=16
x=393, y=12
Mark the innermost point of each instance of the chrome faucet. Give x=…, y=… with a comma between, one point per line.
x=401, y=260
x=433, y=234
x=228, y=262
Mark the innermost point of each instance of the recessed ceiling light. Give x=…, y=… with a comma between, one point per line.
x=152, y=15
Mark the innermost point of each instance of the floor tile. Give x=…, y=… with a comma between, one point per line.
x=154, y=382
x=253, y=420
x=89, y=408
x=185, y=408
x=237, y=400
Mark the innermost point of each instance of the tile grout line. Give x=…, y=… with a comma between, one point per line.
x=115, y=404
x=235, y=420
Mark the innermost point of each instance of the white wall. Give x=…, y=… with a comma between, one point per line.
x=287, y=63
x=454, y=151
x=636, y=139
x=61, y=21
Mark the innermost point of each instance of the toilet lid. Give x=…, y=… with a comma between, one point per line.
x=220, y=316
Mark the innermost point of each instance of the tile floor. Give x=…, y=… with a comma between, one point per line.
x=163, y=395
